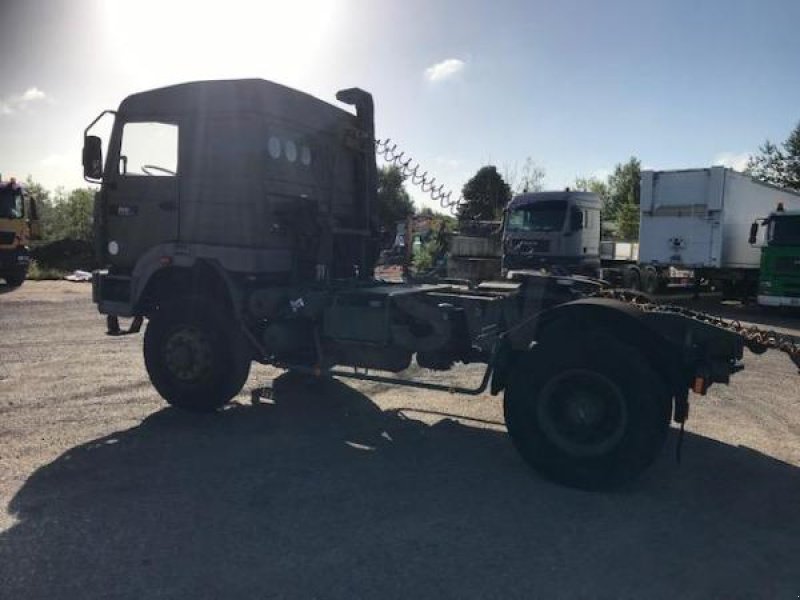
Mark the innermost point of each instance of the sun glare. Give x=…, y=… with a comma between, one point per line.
x=155, y=40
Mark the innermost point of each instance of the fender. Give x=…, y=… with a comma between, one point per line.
x=228, y=259
x=571, y=319
x=157, y=275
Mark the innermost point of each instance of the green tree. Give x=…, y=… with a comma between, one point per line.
x=485, y=195
x=528, y=179
x=394, y=203
x=628, y=219
x=619, y=196
x=44, y=204
x=623, y=189
x=438, y=217
x=778, y=166
x=594, y=185
x=71, y=215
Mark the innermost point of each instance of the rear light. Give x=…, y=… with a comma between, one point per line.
x=699, y=385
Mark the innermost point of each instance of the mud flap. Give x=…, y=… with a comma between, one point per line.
x=112, y=326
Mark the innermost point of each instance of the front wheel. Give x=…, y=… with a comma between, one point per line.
x=195, y=354
x=588, y=413
x=14, y=278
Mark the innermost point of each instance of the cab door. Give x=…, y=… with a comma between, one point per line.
x=142, y=193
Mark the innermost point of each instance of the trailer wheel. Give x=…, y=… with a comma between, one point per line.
x=195, y=355
x=651, y=283
x=632, y=279
x=589, y=413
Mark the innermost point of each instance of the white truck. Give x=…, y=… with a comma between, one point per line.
x=699, y=219
x=559, y=232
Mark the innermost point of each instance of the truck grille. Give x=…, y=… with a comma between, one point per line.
x=7, y=237
x=787, y=265
x=531, y=246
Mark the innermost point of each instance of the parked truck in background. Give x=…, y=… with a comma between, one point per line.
x=559, y=232
x=699, y=219
x=694, y=227
x=19, y=223
x=779, y=281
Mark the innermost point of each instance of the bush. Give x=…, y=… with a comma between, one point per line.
x=39, y=273
x=424, y=256
x=65, y=255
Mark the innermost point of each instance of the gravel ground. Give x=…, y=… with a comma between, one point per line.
x=361, y=491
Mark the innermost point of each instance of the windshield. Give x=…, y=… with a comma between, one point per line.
x=784, y=230
x=548, y=215
x=10, y=203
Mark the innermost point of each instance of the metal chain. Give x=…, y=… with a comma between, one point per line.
x=756, y=340
x=412, y=170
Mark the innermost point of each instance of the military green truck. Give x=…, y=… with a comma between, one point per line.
x=779, y=278
x=238, y=218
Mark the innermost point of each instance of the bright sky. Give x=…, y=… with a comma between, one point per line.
x=578, y=85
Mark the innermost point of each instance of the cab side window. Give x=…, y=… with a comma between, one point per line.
x=149, y=148
x=577, y=219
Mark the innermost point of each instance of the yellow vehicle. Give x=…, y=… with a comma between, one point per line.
x=19, y=223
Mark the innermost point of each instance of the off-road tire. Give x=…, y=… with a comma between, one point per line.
x=639, y=395
x=218, y=361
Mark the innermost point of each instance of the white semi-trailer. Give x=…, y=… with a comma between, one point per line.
x=700, y=219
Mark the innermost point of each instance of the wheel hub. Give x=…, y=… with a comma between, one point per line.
x=582, y=412
x=188, y=354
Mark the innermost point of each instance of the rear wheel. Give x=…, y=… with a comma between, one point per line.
x=632, y=279
x=651, y=282
x=195, y=354
x=590, y=413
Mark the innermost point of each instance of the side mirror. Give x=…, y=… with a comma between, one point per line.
x=753, y=233
x=92, y=158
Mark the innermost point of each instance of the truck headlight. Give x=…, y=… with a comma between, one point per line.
x=765, y=285
x=113, y=248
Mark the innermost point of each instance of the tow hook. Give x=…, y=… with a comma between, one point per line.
x=112, y=325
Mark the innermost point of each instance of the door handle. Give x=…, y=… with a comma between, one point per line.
x=168, y=205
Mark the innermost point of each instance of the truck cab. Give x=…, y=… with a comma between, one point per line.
x=779, y=280
x=19, y=223
x=558, y=232
x=249, y=177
